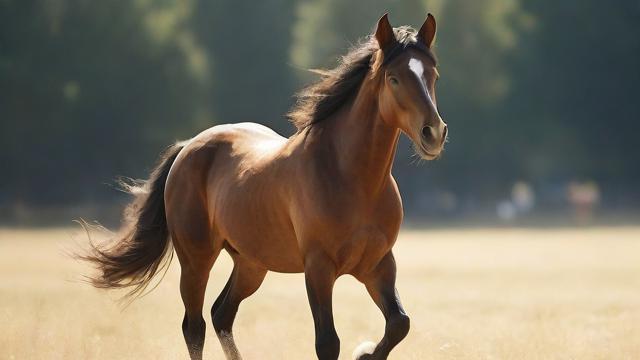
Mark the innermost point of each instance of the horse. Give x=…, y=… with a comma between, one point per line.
x=322, y=202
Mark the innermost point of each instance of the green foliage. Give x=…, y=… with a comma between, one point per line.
x=576, y=92
x=87, y=92
x=325, y=29
x=247, y=41
x=540, y=91
x=475, y=42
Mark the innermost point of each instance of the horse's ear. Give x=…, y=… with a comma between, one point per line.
x=428, y=31
x=384, y=33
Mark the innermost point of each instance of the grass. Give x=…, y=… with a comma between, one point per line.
x=471, y=294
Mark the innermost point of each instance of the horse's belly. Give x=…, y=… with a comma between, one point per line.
x=258, y=228
x=274, y=253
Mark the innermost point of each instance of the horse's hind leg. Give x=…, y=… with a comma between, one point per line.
x=197, y=252
x=193, y=283
x=245, y=279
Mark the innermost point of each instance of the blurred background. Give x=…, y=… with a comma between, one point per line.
x=541, y=99
x=517, y=258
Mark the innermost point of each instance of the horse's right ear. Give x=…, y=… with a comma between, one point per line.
x=427, y=32
x=384, y=33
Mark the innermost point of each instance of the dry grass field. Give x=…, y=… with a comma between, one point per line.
x=471, y=294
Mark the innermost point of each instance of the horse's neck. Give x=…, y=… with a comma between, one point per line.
x=365, y=145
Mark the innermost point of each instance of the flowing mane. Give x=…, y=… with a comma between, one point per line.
x=337, y=86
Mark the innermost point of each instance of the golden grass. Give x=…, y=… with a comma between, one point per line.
x=471, y=294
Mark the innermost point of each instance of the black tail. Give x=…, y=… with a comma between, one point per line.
x=142, y=247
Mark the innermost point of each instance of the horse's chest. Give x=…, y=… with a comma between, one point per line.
x=363, y=236
x=362, y=250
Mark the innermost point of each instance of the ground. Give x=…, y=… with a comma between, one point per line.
x=471, y=294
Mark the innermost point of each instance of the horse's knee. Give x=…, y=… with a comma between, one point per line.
x=328, y=346
x=219, y=323
x=223, y=318
x=398, y=327
x=193, y=326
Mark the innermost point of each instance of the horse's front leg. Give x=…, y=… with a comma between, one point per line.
x=320, y=275
x=381, y=284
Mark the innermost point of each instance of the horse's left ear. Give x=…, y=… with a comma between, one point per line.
x=384, y=33
x=428, y=31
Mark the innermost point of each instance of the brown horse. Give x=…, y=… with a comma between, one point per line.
x=322, y=202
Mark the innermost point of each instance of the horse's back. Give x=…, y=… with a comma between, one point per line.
x=228, y=145
x=236, y=136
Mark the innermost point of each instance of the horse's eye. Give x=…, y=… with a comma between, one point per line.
x=393, y=81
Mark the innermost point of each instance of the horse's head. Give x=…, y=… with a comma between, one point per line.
x=407, y=95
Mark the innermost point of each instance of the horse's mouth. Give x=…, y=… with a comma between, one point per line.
x=425, y=153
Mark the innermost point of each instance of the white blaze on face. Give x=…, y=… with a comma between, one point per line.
x=416, y=66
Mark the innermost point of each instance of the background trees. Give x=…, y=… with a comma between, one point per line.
x=534, y=91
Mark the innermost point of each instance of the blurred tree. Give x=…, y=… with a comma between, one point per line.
x=539, y=91
x=247, y=42
x=474, y=44
x=326, y=29
x=88, y=90
x=575, y=94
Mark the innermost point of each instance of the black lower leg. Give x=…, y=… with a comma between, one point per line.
x=396, y=329
x=194, y=329
x=244, y=281
x=327, y=344
x=320, y=277
x=381, y=287
x=224, y=317
x=220, y=298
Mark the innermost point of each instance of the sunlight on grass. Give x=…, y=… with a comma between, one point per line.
x=471, y=294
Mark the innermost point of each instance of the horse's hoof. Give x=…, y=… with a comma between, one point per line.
x=364, y=351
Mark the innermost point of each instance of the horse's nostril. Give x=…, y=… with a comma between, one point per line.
x=426, y=133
